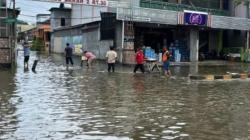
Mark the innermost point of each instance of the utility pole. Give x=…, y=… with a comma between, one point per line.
x=13, y=36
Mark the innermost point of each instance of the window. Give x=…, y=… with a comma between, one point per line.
x=62, y=21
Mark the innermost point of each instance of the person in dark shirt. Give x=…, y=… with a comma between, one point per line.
x=26, y=50
x=68, y=54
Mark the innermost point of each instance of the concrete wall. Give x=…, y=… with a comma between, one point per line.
x=241, y=11
x=82, y=14
x=194, y=45
x=60, y=38
x=87, y=39
x=135, y=3
x=92, y=42
x=5, y=57
x=85, y=14
x=56, y=16
x=119, y=40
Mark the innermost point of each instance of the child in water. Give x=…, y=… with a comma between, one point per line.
x=166, y=61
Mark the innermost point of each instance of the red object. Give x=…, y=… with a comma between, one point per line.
x=140, y=57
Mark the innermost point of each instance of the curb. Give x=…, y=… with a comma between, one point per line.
x=226, y=77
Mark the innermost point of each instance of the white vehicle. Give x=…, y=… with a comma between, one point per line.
x=234, y=54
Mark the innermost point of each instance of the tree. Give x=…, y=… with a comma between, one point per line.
x=238, y=2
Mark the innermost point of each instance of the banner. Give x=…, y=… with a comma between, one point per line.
x=85, y=2
x=195, y=18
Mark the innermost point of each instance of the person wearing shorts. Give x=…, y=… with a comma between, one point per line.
x=166, y=62
x=111, y=56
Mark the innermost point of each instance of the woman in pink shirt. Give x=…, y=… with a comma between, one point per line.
x=90, y=57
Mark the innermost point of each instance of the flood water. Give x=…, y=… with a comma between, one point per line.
x=79, y=103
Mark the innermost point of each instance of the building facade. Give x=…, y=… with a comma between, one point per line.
x=60, y=18
x=191, y=29
x=7, y=34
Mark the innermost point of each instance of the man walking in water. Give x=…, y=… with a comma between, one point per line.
x=139, y=60
x=111, y=56
x=68, y=54
x=26, y=52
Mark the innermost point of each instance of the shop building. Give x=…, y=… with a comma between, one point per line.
x=7, y=34
x=190, y=29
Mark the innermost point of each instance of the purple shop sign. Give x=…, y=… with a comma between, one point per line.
x=193, y=18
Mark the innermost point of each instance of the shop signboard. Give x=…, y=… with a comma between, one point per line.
x=85, y=2
x=195, y=18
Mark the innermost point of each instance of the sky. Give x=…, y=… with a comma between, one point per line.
x=29, y=9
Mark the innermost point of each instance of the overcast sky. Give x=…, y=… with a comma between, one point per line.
x=29, y=9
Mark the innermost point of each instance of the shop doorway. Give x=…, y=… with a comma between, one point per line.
x=155, y=38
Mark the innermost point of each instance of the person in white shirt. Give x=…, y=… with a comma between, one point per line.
x=111, y=56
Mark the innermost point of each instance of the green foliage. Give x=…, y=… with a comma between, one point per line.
x=225, y=51
x=244, y=54
x=37, y=44
x=238, y=2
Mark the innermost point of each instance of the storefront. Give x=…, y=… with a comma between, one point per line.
x=189, y=35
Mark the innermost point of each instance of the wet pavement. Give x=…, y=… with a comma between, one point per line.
x=79, y=103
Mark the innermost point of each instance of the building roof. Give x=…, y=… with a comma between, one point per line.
x=43, y=22
x=59, y=9
x=42, y=15
x=81, y=26
x=10, y=9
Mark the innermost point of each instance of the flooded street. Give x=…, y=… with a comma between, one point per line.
x=79, y=103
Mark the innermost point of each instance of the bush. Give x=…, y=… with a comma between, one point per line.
x=244, y=53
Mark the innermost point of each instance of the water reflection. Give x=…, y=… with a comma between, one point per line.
x=56, y=103
x=8, y=102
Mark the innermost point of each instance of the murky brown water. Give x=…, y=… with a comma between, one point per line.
x=92, y=104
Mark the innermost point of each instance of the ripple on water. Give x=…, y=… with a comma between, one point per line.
x=169, y=137
x=184, y=135
x=181, y=124
x=121, y=117
x=170, y=132
x=95, y=133
x=83, y=104
x=174, y=127
x=139, y=127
